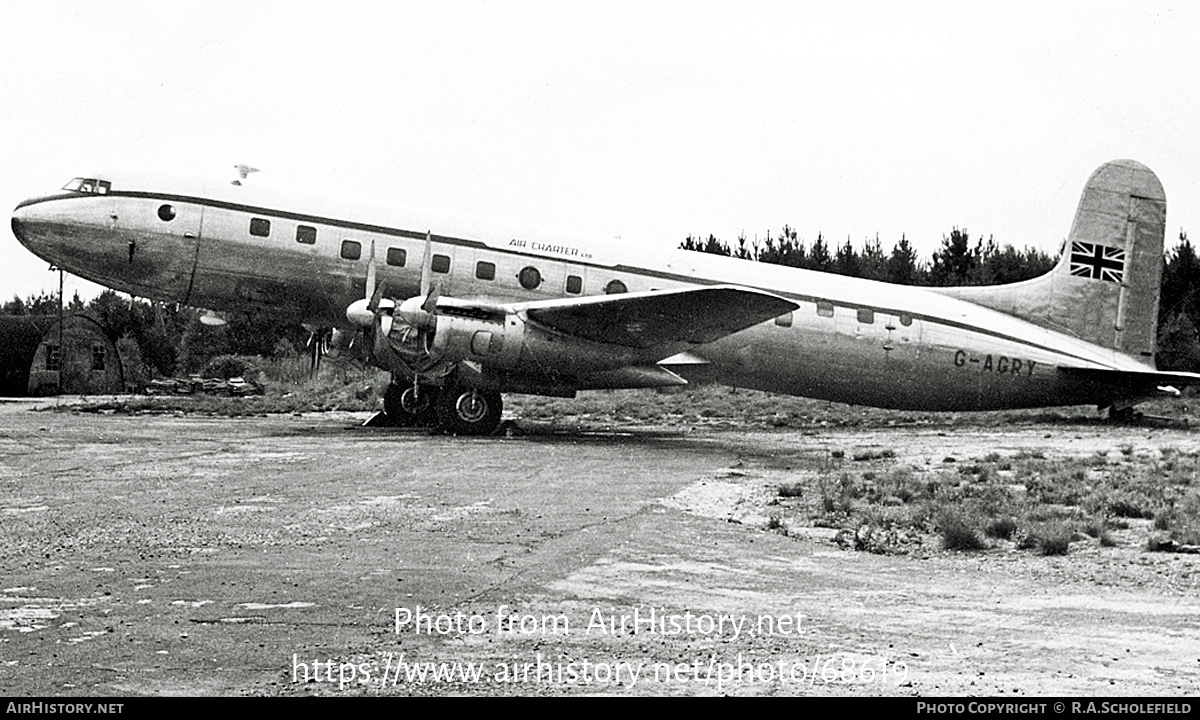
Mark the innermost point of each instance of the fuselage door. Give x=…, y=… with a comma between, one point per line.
x=157, y=242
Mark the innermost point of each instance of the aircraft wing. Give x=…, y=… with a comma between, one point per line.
x=1141, y=380
x=648, y=319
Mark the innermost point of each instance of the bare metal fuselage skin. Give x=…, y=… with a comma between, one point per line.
x=850, y=340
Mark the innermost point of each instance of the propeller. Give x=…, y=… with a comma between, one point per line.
x=318, y=347
x=414, y=317
x=362, y=312
x=417, y=313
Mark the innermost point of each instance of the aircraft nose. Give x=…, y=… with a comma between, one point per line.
x=34, y=225
x=18, y=224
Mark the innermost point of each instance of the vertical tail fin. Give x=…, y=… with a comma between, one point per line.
x=1105, y=287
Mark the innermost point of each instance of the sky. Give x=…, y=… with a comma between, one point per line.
x=647, y=121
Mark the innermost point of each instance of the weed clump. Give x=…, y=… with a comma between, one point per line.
x=775, y=524
x=1003, y=528
x=790, y=490
x=1047, y=538
x=1054, y=540
x=959, y=532
x=874, y=455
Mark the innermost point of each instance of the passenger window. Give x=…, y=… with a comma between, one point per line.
x=306, y=234
x=351, y=249
x=166, y=213
x=784, y=320
x=396, y=256
x=866, y=315
x=615, y=287
x=905, y=319
x=485, y=270
x=529, y=277
x=824, y=308
x=574, y=284
x=441, y=263
x=260, y=227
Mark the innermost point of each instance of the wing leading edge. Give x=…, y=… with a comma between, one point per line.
x=659, y=318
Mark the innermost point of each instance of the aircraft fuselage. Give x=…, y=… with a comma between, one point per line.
x=850, y=340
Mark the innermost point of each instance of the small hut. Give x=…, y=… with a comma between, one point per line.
x=20, y=336
x=78, y=359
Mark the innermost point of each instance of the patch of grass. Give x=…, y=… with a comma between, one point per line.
x=290, y=387
x=1182, y=519
x=1126, y=508
x=775, y=524
x=959, y=532
x=1056, y=545
x=790, y=490
x=1054, y=539
x=1048, y=537
x=837, y=494
x=874, y=455
x=1001, y=528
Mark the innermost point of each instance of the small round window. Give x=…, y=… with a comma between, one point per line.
x=529, y=277
x=166, y=213
x=614, y=287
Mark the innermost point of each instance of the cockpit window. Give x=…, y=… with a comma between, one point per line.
x=89, y=185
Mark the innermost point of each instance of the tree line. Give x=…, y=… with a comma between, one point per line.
x=956, y=262
x=161, y=340
x=959, y=261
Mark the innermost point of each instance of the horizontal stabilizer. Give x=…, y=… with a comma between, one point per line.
x=656, y=318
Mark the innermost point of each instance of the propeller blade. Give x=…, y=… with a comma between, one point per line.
x=371, y=272
x=430, y=303
x=362, y=312
x=373, y=303
x=427, y=265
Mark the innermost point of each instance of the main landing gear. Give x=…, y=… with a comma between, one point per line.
x=454, y=408
x=406, y=405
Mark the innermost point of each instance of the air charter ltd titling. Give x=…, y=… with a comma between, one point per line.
x=653, y=621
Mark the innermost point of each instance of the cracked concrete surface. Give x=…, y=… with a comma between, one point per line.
x=170, y=555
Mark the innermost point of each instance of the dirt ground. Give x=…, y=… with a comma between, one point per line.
x=297, y=555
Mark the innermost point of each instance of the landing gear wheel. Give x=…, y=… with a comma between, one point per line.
x=405, y=406
x=466, y=411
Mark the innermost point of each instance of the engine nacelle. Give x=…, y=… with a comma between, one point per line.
x=508, y=342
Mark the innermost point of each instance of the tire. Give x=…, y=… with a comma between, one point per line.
x=403, y=410
x=466, y=411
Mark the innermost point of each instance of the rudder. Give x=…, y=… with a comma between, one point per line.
x=1105, y=287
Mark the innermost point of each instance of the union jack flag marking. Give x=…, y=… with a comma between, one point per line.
x=1098, y=262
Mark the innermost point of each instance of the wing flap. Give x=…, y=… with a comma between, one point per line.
x=1136, y=380
x=649, y=319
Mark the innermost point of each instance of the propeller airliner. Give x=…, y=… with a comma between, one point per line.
x=461, y=312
